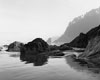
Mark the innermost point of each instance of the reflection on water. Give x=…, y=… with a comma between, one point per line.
x=82, y=65
x=37, y=60
x=19, y=68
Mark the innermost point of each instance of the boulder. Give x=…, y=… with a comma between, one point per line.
x=15, y=47
x=34, y=47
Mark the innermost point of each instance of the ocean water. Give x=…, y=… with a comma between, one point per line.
x=42, y=67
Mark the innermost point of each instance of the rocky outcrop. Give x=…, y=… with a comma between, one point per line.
x=34, y=47
x=15, y=47
x=92, y=51
x=80, y=42
x=80, y=24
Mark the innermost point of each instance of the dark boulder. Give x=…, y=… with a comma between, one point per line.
x=15, y=47
x=35, y=47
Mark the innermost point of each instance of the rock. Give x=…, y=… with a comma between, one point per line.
x=80, y=42
x=34, y=47
x=92, y=51
x=92, y=48
x=65, y=47
x=15, y=47
x=53, y=47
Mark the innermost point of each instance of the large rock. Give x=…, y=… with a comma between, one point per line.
x=80, y=24
x=92, y=51
x=15, y=47
x=35, y=47
x=92, y=48
x=80, y=42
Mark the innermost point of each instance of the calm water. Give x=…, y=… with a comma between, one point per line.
x=44, y=68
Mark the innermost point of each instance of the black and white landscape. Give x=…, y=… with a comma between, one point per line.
x=49, y=40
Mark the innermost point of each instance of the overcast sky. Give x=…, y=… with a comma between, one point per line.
x=24, y=20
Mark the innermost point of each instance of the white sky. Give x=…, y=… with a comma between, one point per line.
x=24, y=20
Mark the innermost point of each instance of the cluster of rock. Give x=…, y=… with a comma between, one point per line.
x=36, y=47
x=39, y=46
x=90, y=41
x=92, y=50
